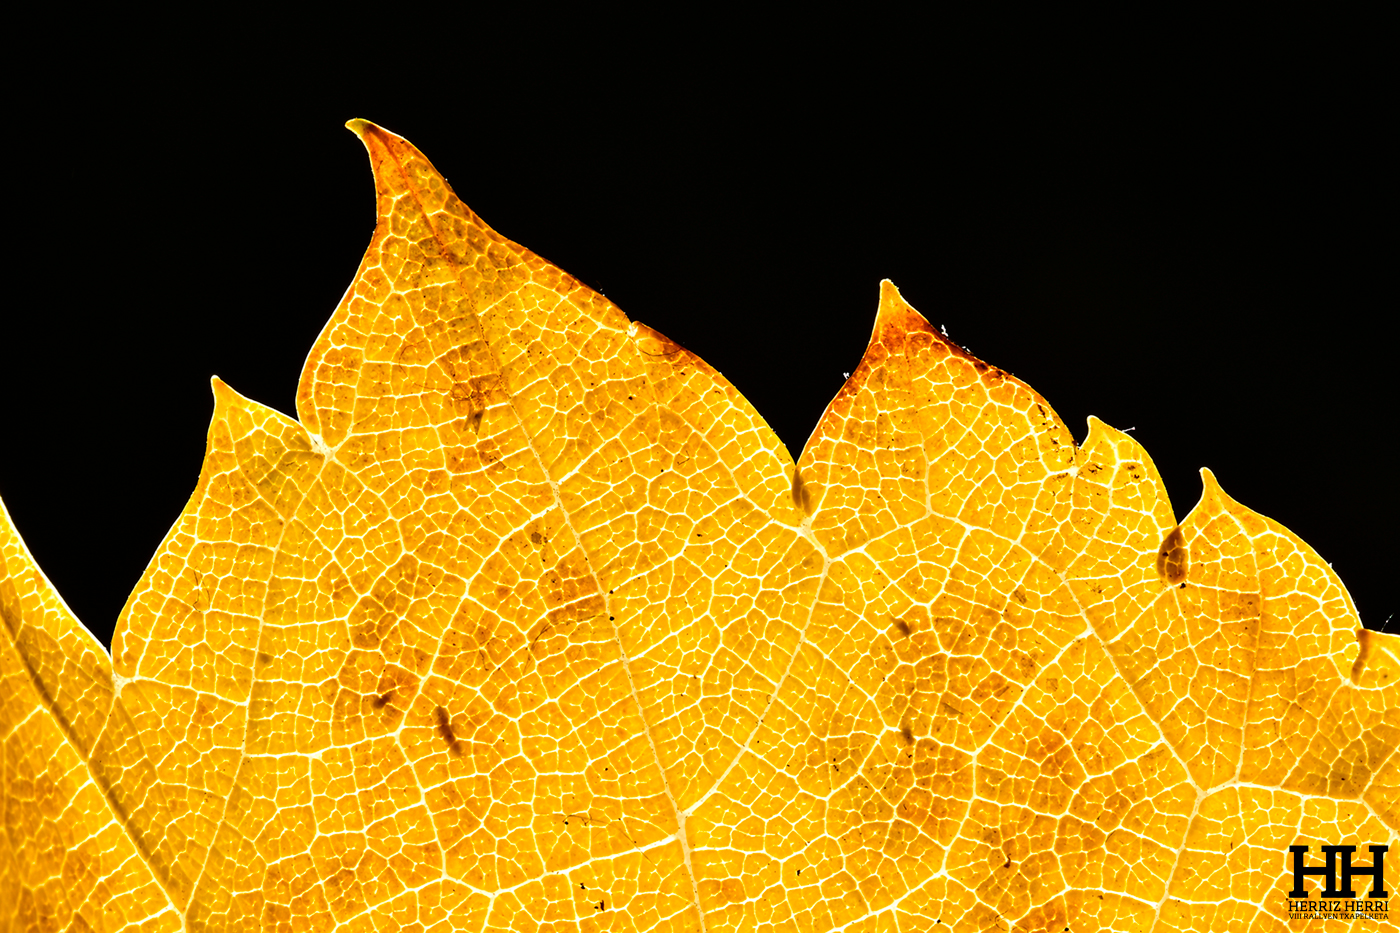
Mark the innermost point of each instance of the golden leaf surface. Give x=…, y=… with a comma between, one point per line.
x=530, y=622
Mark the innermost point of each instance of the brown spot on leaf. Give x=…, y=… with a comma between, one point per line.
x=801, y=493
x=1173, y=558
x=444, y=725
x=1363, y=656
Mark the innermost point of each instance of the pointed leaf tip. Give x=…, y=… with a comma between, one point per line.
x=891, y=302
x=224, y=397
x=1212, y=495
x=1102, y=430
x=1097, y=429
x=894, y=314
x=360, y=126
x=1208, y=481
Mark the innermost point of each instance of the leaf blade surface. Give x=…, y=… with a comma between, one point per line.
x=529, y=618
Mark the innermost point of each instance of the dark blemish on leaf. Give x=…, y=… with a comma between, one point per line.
x=801, y=495
x=1358, y=667
x=1173, y=558
x=264, y=658
x=445, y=730
x=903, y=627
x=538, y=635
x=908, y=734
x=383, y=700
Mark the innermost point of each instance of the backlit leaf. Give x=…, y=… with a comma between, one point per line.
x=528, y=621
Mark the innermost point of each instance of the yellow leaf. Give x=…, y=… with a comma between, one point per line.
x=528, y=621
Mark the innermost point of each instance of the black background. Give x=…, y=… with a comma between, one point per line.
x=1192, y=241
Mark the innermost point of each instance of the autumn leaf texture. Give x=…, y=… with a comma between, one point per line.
x=528, y=621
